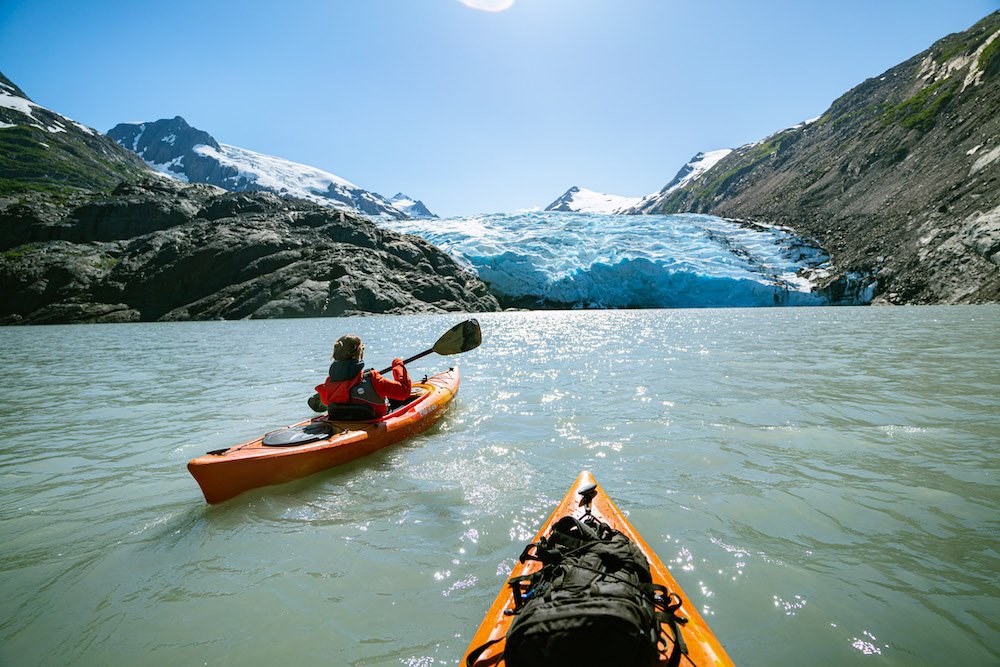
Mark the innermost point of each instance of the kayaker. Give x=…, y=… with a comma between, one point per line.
x=349, y=385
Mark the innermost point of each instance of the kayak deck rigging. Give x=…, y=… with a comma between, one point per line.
x=701, y=647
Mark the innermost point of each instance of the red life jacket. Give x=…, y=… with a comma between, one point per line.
x=359, y=390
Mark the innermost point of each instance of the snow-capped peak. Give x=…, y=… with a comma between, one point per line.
x=13, y=99
x=689, y=173
x=410, y=206
x=582, y=200
x=173, y=147
x=693, y=170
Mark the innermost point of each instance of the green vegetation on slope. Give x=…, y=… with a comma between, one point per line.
x=920, y=112
x=715, y=182
x=35, y=160
x=965, y=43
x=988, y=58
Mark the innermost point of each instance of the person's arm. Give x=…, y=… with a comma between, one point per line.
x=321, y=395
x=398, y=389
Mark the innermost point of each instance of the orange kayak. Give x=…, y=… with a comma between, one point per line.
x=703, y=648
x=317, y=444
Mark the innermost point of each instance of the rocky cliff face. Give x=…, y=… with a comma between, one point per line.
x=44, y=151
x=900, y=178
x=191, y=155
x=162, y=250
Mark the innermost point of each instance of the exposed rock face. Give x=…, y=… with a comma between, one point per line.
x=191, y=155
x=44, y=151
x=900, y=178
x=161, y=250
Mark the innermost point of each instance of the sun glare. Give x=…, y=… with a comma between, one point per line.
x=488, y=5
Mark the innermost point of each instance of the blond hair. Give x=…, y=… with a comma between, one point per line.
x=348, y=347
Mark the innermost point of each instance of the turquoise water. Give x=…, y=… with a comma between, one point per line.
x=822, y=482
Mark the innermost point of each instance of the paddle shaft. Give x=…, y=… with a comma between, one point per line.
x=408, y=360
x=462, y=337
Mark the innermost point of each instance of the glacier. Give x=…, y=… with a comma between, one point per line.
x=588, y=260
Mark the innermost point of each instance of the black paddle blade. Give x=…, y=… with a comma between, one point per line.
x=462, y=337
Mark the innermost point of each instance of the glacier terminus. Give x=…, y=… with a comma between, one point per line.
x=592, y=260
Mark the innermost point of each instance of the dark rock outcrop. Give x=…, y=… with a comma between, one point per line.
x=899, y=179
x=160, y=250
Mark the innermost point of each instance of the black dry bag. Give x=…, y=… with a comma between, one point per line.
x=592, y=603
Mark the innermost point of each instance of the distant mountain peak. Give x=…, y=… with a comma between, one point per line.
x=162, y=144
x=410, y=206
x=695, y=168
x=582, y=200
x=175, y=148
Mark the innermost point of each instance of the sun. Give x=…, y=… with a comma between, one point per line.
x=488, y=5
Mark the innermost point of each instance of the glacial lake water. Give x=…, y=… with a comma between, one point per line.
x=822, y=482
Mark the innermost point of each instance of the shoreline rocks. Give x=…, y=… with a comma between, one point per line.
x=157, y=250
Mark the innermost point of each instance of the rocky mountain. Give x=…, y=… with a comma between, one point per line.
x=173, y=147
x=899, y=178
x=163, y=250
x=414, y=208
x=582, y=200
x=42, y=150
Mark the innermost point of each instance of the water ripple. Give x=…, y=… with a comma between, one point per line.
x=833, y=472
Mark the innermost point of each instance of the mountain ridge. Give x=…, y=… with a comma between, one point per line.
x=175, y=148
x=44, y=151
x=410, y=206
x=695, y=168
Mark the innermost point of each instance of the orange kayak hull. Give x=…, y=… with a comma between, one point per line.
x=252, y=464
x=703, y=647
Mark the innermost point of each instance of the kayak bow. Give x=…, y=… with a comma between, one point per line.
x=703, y=648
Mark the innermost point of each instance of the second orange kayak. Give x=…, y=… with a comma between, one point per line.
x=277, y=457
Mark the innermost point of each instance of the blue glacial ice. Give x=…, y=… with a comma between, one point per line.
x=592, y=260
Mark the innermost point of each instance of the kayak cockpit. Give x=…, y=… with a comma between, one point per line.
x=357, y=413
x=327, y=426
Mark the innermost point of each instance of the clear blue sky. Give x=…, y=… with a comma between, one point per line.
x=470, y=111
